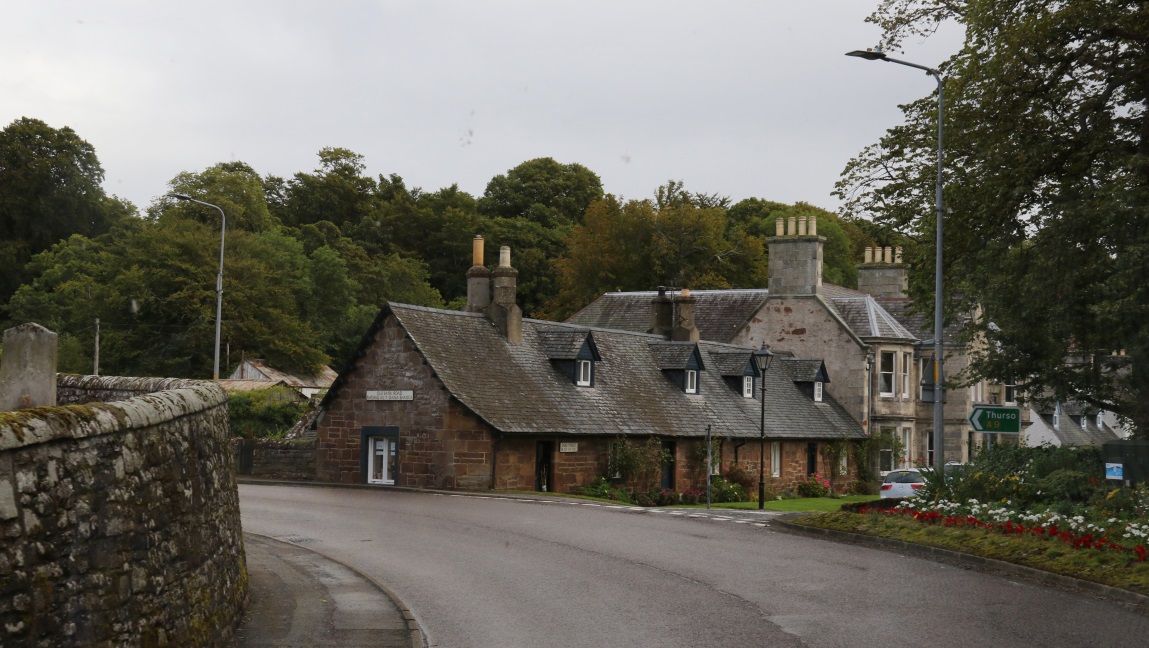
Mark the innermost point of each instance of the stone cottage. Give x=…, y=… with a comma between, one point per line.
x=487, y=399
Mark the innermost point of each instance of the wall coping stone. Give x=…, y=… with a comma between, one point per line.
x=44, y=424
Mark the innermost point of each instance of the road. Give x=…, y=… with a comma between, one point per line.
x=501, y=571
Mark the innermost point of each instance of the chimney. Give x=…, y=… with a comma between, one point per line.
x=684, y=329
x=796, y=258
x=882, y=273
x=478, y=280
x=504, y=312
x=661, y=314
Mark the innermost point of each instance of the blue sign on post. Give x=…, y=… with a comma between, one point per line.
x=1114, y=471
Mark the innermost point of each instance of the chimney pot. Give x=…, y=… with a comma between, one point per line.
x=792, y=226
x=889, y=254
x=477, y=250
x=898, y=255
x=869, y=255
x=801, y=226
x=779, y=226
x=812, y=223
x=505, y=256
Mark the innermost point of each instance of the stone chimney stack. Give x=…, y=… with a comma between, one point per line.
x=478, y=280
x=796, y=257
x=661, y=314
x=684, y=329
x=504, y=312
x=882, y=273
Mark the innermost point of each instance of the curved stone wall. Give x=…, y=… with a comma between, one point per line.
x=119, y=522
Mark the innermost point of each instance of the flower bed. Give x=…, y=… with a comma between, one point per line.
x=1112, y=535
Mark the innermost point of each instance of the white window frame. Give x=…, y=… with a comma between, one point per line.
x=907, y=438
x=906, y=360
x=691, y=381
x=747, y=386
x=886, y=455
x=883, y=373
x=926, y=368
x=584, y=373
x=1009, y=394
x=818, y=391
x=776, y=459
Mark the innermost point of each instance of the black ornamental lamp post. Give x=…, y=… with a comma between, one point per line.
x=762, y=359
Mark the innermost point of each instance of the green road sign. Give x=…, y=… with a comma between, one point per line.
x=999, y=420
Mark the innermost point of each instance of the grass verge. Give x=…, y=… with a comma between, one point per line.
x=1116, y=569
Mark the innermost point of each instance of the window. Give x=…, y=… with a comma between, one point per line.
x=776, y=459
x=843, y=465
x=818, y=391
x=906, y=375
x=886, y=374
x=927, y=375
x=906, y=455
x=584, y=373
x=691, y=381
x=1011, y=394
x=748, y=386
x=886, y=450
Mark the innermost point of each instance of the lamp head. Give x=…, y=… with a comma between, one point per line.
x=179, y=196
x=868, y=54
x=762, y=359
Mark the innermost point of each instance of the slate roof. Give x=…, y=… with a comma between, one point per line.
x=720, y=315
x=730, y=363
x=248, y=367
x=801, y=370
x=517, y=389
x=1067, y=430
x=562, y=344
x=918, y=323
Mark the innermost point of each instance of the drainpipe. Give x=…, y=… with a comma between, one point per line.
x=736, y=446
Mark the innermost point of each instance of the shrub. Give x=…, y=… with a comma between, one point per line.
x=724, y=491
x=264, y=413
x=602, y=489
x=666, y=497
x=814, y=486
x=692, y=496
x=738, y=474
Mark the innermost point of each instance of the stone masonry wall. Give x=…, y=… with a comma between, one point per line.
x=274, y=459
x=119, y=522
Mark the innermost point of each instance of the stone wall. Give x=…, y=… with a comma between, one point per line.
x=272, y=459
x=120, y=521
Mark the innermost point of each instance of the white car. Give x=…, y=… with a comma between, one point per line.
x=903, y=482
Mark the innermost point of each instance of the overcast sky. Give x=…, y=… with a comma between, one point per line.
x=744, y=99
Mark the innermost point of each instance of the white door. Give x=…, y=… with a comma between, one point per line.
x=381, y=460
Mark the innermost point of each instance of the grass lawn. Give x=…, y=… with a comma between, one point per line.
x=801, y=504
x=1117, y=569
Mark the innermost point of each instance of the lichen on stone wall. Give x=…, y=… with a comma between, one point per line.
x=120, y=520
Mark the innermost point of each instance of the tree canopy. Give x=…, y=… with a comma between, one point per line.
x=1046, y=189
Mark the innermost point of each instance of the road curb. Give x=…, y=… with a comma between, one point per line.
x=413, y=628
x=1138, y=601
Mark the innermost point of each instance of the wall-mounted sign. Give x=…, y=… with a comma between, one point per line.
x=568, y=447
x=1114, y=471
x=390, y=395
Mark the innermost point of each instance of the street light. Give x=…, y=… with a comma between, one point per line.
x=762, y=358
x=939, y=393
x=218, y=278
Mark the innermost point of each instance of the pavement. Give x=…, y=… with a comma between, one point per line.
x=298, y=597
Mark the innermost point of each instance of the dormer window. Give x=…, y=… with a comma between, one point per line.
x=691, y=381
x=818, y=391
x=572, y=352
x=747, y=386
x=585, y=369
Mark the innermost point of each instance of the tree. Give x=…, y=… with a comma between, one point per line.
x=337, y=192
x=49, y=189
x=543, y=191
x=680, y=239
x=1047, y=189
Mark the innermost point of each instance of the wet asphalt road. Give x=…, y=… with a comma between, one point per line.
x=495, y=571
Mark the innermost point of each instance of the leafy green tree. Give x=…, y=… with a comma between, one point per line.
x=234, y=186
x=845, y=241
x=542, y=191
x=49, y=189
x=337, y=192
x=1046, y=189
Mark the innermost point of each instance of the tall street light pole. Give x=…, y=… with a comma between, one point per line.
x=218, y=278
x=762, y=358
x=939, y=381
